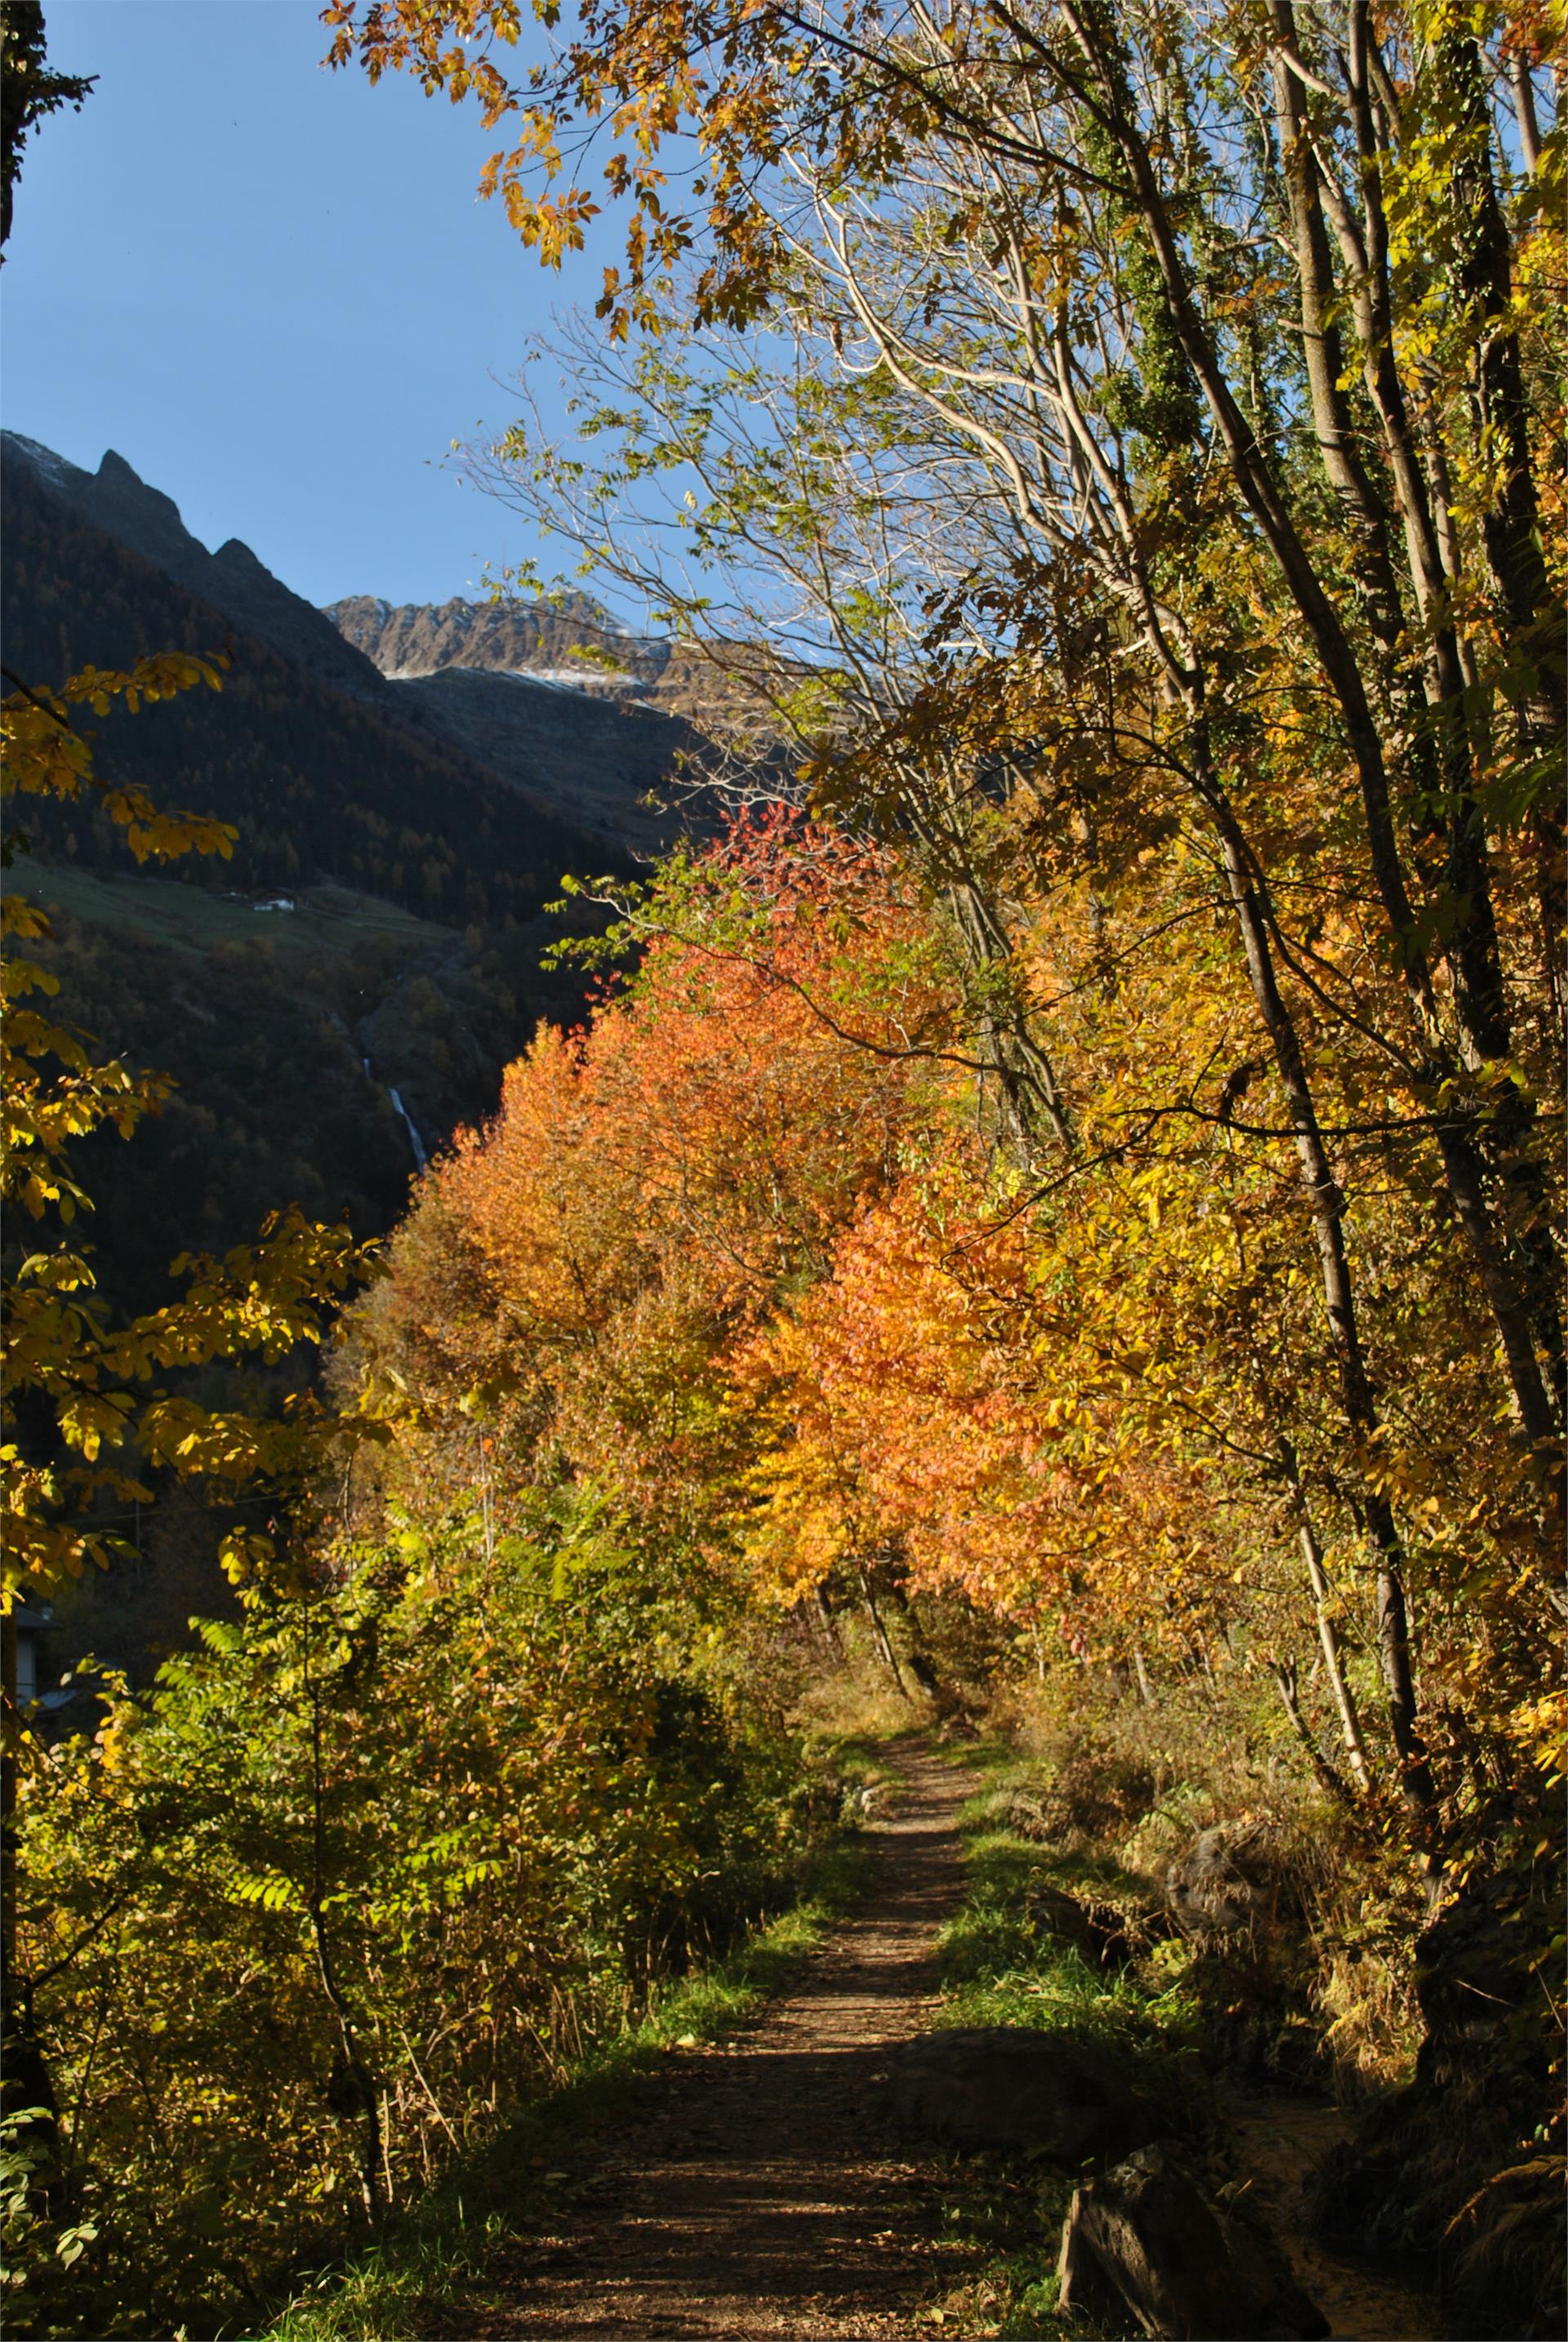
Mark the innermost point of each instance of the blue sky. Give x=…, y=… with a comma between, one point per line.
x=273, y=290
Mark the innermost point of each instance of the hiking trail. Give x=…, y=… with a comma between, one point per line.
x=758, y=2191
x=758, y=2194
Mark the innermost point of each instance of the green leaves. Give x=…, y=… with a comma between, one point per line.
x=271, y=1891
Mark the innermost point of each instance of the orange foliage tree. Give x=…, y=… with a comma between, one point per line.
x=652, y=1184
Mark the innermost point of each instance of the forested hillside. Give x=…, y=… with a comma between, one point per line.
x=1048, y=1230
x=319, y=785
x=417, y=876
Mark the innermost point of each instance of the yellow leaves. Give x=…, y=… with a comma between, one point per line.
x=58, y=1343
x=89, y=1418
x=245, y=1554
x=271, y=1890
x=553, y=226
x=42, y=1112
x=44, y=755
x=62, y=1271
x=1539, y=1728
x=29, y=921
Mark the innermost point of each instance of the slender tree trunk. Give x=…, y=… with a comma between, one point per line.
x=1322, y=347
x=1330, y=1778
x=879, y=1630
x=1323, y=1608
x=1146, y=1688
x=1524, y=113
x=1328, y=1642
x=1327, y=1209
x=1032, y=1106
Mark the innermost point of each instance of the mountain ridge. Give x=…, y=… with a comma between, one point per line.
x=545, y=638
x=347, y=797
x=234, y=579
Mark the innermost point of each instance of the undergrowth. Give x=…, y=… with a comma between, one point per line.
x=1328, y=1977
x=445, y=2248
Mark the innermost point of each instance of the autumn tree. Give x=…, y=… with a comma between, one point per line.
x=1257, y=574
x=651, y=1184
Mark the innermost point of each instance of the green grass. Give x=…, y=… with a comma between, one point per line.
x=1002, y=1966
x=190, y=919
x=441, y=2252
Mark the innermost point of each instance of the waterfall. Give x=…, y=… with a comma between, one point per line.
x=414, y=1140
x=420, y=1157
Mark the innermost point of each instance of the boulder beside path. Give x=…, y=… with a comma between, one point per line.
x=1147, y=2238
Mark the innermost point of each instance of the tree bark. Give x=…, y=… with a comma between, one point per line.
x=1328, y=1642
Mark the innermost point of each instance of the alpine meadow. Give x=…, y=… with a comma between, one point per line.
x=875, y=1647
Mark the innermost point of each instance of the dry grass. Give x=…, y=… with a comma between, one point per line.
x=855, y=1699
x=1128, y=1788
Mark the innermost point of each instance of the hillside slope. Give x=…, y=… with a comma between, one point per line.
x=550, y=697
x=418, y=877
x=324, y=784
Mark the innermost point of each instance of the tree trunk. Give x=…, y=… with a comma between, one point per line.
x=1145, y=1689
x=1328, y=1642
x=879, y=1630
x=1330, y=1778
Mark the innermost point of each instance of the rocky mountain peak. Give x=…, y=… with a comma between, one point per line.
x=572, y=643
x=232, y=581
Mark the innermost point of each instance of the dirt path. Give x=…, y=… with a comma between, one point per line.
x=759, y=2196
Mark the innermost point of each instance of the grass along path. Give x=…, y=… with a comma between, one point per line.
x=428, y=2274
x=1003, y=1964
